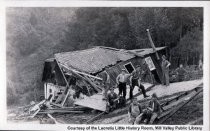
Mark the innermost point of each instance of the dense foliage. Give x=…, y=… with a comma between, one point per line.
x=35, y=34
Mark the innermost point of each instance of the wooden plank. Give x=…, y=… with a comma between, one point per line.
x=94, y=102
x=93, y=84
x=195, y=121
x=180, y=106
x=59, y=111
x=58, y=105
x=67, y=84
x=62, y=73
x=50, y=116
x=67, y=108
x=63, y=102
x=181, y=96
x=95, y=118
x=183, y=99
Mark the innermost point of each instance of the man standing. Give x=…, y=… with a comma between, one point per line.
x=121, y=81
x=135, y=80
x=106, y=83
x=165, y=68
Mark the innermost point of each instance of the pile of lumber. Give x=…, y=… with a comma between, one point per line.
x=172, y=106
x=45, y=109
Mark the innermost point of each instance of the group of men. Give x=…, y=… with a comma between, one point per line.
x=136, y=114
x=122, y=80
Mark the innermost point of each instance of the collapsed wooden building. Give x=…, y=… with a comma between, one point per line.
x=70, y=73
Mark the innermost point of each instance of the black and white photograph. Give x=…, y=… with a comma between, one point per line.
x=105, y=65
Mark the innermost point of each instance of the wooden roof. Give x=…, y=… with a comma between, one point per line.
x=95, y=59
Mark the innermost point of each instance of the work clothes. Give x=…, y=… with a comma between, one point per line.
x=181, y=73
x=112, y=99
x=134, y=112
x=156, y=109
x=122, y=89
x=122, y=78
x=165, y=68
x=144, y=116
x=135, y=82
x=121, y=81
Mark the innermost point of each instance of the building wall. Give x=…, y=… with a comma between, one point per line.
x=115, y=70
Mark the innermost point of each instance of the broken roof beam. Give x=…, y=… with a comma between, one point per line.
x=82, y=73
x=98, y=89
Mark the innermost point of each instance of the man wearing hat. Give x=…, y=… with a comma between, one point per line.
x=135, y=80
x=121, y=81
x=165, y=68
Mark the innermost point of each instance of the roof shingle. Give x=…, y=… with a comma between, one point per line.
x=95, y=59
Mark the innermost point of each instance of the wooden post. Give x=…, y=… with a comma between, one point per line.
x=67, y=84
x=65, y=98
x=152, y=44
x=94, y=118
x=62, y=73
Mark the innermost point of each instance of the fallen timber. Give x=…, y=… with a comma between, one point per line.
x=182, y=100
x=172, y=100
x=58, y=111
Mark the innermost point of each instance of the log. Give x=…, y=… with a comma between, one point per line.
x=180, y=106
x=152, y=44
x=94, y=118
x=50, y=116
x=67, y=108
x=181, y=96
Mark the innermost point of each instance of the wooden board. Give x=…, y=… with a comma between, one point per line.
x=94, y=102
